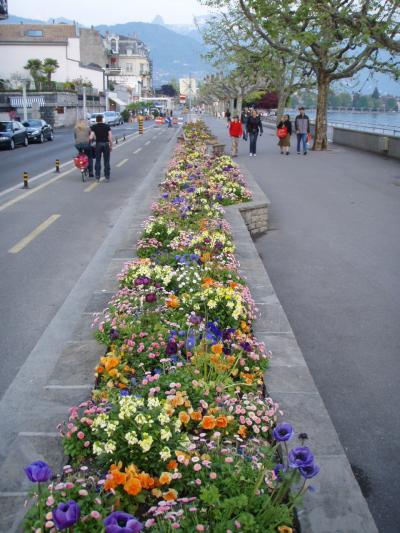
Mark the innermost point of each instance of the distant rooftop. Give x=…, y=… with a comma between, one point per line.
x=36, y=32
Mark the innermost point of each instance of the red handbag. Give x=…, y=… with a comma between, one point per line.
x=281, y=132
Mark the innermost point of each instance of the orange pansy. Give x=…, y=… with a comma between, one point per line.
x=165, y=478
x=207, y=282
x=196, y=415
x=222, y=422
x=170, y=495
x=217, y=348
x=208, y=422
x=243, y=431
x=184, y=417
x=133, y=486
x=146, y=480
x=173, y=301
x=172, y=465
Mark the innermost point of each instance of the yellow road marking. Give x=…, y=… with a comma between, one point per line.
x=137, y=151
x=91, y=187
x=121, y=163
x=36, y=189
x=35, y=233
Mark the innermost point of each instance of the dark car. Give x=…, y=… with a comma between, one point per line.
x=38, y=130
x=12, y=133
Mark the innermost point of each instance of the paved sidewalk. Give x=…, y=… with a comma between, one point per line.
x=333, y=255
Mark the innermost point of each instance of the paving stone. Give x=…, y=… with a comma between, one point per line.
x=272, y=318
x=84, y=331
x=284, y=348
x=99, y=301
x=25, y=450
x=76, y=364
x=307, y=413
x=12, y=511
x=336, y=489
x=288, y=379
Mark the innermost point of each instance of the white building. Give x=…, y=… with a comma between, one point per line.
x=129, y=64
x=63, y=42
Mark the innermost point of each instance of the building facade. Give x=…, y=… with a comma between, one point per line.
x=63, y=42
x=129, y=64
x=188, y=87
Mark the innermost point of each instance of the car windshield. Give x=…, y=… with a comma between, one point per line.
x=33, y=123
x=5, y=126
x=94, y=115
x=109, y=113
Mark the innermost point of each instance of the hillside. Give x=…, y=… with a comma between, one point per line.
x=174, y=55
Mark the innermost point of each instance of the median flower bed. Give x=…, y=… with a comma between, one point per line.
x=178, y=434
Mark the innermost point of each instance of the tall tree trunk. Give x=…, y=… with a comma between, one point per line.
x=321, y=121
x=282, y=99
x=239, y=105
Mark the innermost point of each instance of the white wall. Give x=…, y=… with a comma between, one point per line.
x=14, y=57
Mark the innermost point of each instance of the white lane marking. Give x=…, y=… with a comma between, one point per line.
x=33, y=234
x=137, y=150
x=147, y=142
x=36, y=189
x=91, y=187
x=121, y=163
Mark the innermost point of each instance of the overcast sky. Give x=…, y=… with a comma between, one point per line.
x=95, y=12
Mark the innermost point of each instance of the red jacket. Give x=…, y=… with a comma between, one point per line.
x=235, y=129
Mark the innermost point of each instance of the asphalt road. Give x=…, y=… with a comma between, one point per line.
x=333, y=255
x=50, y=233
x=37, y=158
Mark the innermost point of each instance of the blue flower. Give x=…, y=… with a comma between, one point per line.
x=309, y=471
x=283, y=432
x=38, y=472
x=300, y=457
x=190, y=342
x=66, y=515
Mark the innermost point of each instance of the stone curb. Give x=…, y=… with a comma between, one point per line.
x=338, y=505
x=69, y=376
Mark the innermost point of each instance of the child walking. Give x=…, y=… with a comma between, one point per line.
x=235, y=131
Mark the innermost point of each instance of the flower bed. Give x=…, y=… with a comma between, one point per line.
x=177, y=434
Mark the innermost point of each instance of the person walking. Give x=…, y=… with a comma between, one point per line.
x=284, y=132
x=254, y=128
x=101, y=133
x=228, y=115
x=302, y=127
x=82, y=142
x=235, y=131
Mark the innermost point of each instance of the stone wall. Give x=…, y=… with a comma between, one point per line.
x=91, y=46
x=370, y=142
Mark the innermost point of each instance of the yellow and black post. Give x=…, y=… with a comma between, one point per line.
x=140, y=124
x=26, y=180
x=57, y=165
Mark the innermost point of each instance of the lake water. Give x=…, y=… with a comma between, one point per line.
x=380, y=122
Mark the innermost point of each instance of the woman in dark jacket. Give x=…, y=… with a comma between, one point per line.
x=284, y=142
x=253, y=128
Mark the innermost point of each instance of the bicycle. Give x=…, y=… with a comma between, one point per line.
x=81, y=162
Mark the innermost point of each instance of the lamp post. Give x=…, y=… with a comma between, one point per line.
x=24, y=99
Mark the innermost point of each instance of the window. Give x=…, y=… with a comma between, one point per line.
x=142, y=65
x=34, y=33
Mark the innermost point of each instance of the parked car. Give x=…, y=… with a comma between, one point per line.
x=93, y=116
x=112, y=118
x=38, y=130
x=12, y=133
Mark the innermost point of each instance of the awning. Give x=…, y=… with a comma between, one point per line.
x=18, y=101
x=117, y=100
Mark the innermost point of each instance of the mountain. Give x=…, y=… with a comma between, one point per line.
x=174, y=55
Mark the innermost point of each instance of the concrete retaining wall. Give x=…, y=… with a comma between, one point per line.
x=370, y=142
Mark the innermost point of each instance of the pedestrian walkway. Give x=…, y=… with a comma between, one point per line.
x=333, y=255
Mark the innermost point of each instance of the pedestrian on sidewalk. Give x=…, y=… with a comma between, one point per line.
x=235, y=131
x=82, y=142
x=253, y=129
x=302, y=127
x=284, y=132
x=228, y=116
x=101, y=133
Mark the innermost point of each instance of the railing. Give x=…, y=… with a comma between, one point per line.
x=368, y=127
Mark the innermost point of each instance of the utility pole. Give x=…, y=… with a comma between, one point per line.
x=84, y=102
x=190, y=93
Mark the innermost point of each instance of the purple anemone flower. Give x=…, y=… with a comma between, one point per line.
x=66, y=515
x=38, y=472
x=171, y=348
x=151, y=297
x=300, y=457
x=279, y=469
x=309, y=471
x=119, y=522
x=283, y=432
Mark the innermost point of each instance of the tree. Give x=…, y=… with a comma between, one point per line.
x=376, y=95
x=168, y=90
x=49, y=66
x=35, y=67
x=335, y=38
x=242, y=50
